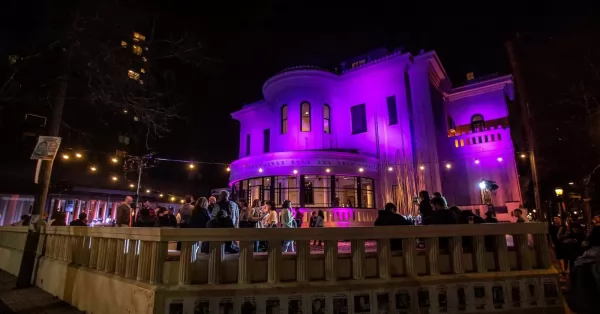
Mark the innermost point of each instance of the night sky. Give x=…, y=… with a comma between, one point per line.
x=251, y=41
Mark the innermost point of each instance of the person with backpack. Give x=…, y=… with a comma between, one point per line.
x=584, y=279
x=287, y=221
x=231, y=208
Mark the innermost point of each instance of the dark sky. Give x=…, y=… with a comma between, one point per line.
x=254, y=40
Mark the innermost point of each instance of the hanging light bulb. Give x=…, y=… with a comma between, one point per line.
x=114, y=160
x=78, y=155
x=361, y=169
x=448, y=166
x=181, y=201
x=93, y=169
x=114, y=178
x=390, y=169
x=260, y=169
x=160, y=195
x=192, y=166
x=477, y=161
x=131, y=185
x=172, y=198
x=65, y=156
x=422, y=167
x=147, y=191
x=228, y=169
x=295, y=171
x=500, y=159
x=328, y=170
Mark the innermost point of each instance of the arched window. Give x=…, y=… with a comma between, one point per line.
x=284, y=119
x=305, y=117
x=477, y=122
x=327, y=119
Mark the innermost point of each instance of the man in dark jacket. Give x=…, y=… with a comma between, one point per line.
x=584, y=279
x=389, y=217
x=441, y=215
x=124, y=212
x=81, y=222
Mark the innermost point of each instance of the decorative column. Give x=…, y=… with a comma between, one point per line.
x=456, y=255
x=331, y=260
x=185, y=261
x=274, y=261
x=479, y=254
x=101, y=253
x=157, y=261
x=245, y=259
x=432, y=247
x=143, y=271
x=111, y=254
x=86, y=251
x=384, y=258
x=358, y=259
x=501, y=253
x=120, y=260
x=409, y=252
x=94, y=252
x=302, y=260
x=215, y=256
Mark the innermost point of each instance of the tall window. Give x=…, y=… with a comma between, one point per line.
x=305, y=116
x=284, y=119
x=267, y=140
x=392, y=111
x=359, y=119
x=477, y=123
x=327, y=119
x=247, y=144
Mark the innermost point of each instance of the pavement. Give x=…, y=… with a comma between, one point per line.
x=30, y=300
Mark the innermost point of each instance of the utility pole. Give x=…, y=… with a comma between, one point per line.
x=527, y=121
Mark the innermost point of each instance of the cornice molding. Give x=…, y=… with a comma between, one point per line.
x=474, y=90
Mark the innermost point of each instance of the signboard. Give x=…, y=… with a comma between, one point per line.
x=46, y=148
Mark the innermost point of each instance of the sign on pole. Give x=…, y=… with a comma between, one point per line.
x=46, y=148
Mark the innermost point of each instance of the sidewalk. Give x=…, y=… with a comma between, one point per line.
x=29, y=301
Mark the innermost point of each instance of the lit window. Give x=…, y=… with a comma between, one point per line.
x=133, y=75
x=477, y=123
x=138, y=37
x=137, y=50
x=284, y=119
x=123, y=44
x=305, y=116
x=327, y=119
x=359, y=119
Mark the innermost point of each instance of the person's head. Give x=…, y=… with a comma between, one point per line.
x=596, y=220
x=313, y=214
x=390, y=207
x=438, y=203
x=147, y=203
x=321, y=214
x=557, y=221
x=437, y=194
x=128, y=200
x=518, y=212
x=424, y=196
x=242, y=203
x=223, y=195
x=256, y=203
x=202, y=202
x=271, y=206
x=161, y=211
x=287, y=204
x=171, y=210
x=594, y=239
x=212, y=200
x=189, y=199
x=82, y=216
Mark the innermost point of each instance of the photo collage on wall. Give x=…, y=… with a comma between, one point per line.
x=478, y=297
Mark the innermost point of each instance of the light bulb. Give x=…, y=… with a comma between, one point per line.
x=361, y=169
x=523, y=155
x=228, y=169
x=295, y=171
x=93, y=168
x=114, y=178
x=65, y=156
x=422, y=167
x=192, y=166
x=160, y=195
x=78, y=155
x=390, y=169
x=172, y=198
x=500, y=159
x=260, y=170
x=147, y=191
x=477, y=161
x=131, y=185
x=115, y=160
x=448, y=166
x=328, y=170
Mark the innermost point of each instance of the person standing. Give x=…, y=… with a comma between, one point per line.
x=298, y=217
x=287, y=221
x=185, y=211
x=425, y=207
x=231, y=208
x=389, y=217
x=81, y=222
x=124, y=212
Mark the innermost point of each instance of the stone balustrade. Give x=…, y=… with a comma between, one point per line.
x=131, y=270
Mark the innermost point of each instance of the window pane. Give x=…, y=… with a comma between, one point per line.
x=326, y=126
x=317, y=191
x=367, y=195
x=326, y=119
x=326, y=112
x=267, y=140
x=345, y=191
x=392, y=111
x=305, y=114
x=286, y=188
x=359, y=119
x=284, y=118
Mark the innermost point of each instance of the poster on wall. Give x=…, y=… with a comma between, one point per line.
x=423, y=300
x=201, y=306
x=498, y=296
x=225, y=306
x=318, y=304
x=442, y=298
x=479, y=297
x=383, y=303
x=531, y=292
x=461, y=297
x=403, y=301
x=248, y=305
x=295, y=305
x=273, y=305
x=515, y=293
x=340, y=303
x=361, y=302
x=175, y=306
x=551, y=296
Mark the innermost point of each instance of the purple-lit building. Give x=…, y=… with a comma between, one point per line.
x=387, y=127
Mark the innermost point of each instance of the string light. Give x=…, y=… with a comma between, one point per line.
x=477, y=161
x=147, y=191
x=361, y=169
x=260, y=169
x=192, y=166
x=93, y=168
x=500, y=159
x=523, y=155
x=114, y=160
x=131, y=185
x=65, y=156
x=422, y=167
x=181, y=201
x=228, y=169
x=160, y=195
x=571, y=183
x=172, y=198
x=448, y=166
x=114, y=178
x=390, y=169
x=78, y=155
x=295, y=171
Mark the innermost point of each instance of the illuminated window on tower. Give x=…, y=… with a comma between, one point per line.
x=305, y=116
x=327, y=119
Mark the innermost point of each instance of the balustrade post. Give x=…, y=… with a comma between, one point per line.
x=185, y=261
x=245, y=262
x=501, y=253
x=542, y=252
x=71, y=249
x=384, y=258
x=456, y=255
x=132, y=258
x=215, y=256
x=302, y=260
x=111, y=254
x=101, y=253
x=409, y=253
x=331, y=260
x=479, y=254
x=120, y=261
x=522, y=248
x=143, y=270
x=158, y=258
x=94, y=252
x=86, y=251
x=432, y=247
x=274, y=261
x=358, y=259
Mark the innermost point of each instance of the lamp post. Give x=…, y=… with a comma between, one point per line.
x=559, y=193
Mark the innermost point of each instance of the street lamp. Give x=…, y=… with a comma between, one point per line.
x=558, y=191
